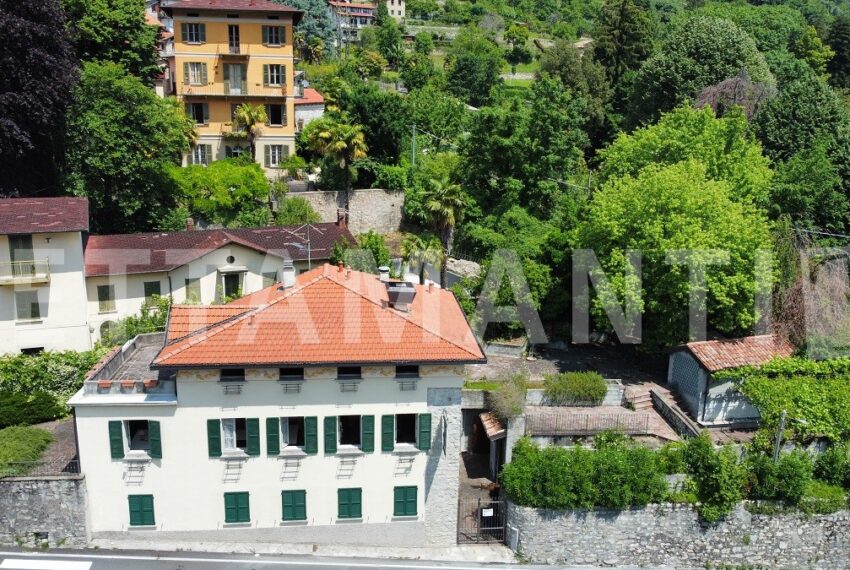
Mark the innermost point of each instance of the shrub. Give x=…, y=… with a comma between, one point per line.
x=822, y=498
x=508, y=399
x=671, y=459
x=793, y=474
x=151, y=318
x=626, y=474
x=761, y=476
x=58, y=373
x=718, y=477
x=26, y=409
x=572, y=388
x=21, y=444
x=833, y=466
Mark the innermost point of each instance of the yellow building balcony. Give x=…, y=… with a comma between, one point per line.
x=230, y=89
x=24, y=272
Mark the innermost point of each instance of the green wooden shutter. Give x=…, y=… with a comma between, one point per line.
x=230, y=508
x=184, y=33
x=214, y=437
x=252, y=427
x=387, y=433
x=424, y=432
x=294, y=505
x=243, y=506
x=267, y=151
x=355, y=500
x=367, y=434
x=155, y=440
x=398, y=501
x=282, y=35
x=283, y=75
x=202, y=28
x=330, y=435
x=273, y=436
x=301, y=505
x=311, y=435
x=207, y=121
x=349, y=504
x=147, y=510
x=141, y=510
x=185, y=72
x=135, y=510
x=204, y=74
x=116, y=439
x=265, y=35
x=410, y=501
x=265, y=75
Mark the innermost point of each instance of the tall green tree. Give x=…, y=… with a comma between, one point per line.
x=422, y=250
x=121, y=139
x=381, y=114
x=445, y=202
x=251, y=118
x=473, y=64
x=316, y=24
x=439, y=116
x=839, y=41
x=38, y=70
x=116, y=31
x=339, y=141
x=701, y=51
x=623, y=39
x=678, y=207
x=390, y=42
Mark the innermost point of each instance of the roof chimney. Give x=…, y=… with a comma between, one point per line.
x=384, y=273
x=190, y=224
x=400, y=295
x=288, y=274
x=431, y=287
x=339, y=266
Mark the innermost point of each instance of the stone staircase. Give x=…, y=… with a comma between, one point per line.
x=640, y=401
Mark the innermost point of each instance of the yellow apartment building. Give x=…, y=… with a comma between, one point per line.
x=226, y=53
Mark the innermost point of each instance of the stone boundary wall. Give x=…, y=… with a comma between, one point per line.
x=55, y=505
x=371, y=208
x=673, y=535
x=674, y=416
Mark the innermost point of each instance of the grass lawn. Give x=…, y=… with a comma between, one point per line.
x=532, y=67
x=21, y=444
x=520, y=83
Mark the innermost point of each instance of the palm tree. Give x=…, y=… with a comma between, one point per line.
x=340, y=141
x=445, y=202
x=315, y=49
x=422, y=249
x=251, y=117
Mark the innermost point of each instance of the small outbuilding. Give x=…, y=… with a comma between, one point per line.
x=714, y=402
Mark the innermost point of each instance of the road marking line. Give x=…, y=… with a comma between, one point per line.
x=253, y=561
x=11, y=563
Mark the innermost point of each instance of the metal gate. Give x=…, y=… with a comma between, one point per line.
x=480, y=520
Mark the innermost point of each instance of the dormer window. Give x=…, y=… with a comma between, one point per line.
x=232, y=375
x=348, y=373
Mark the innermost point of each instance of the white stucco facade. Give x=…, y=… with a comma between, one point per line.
x=60, y=291
x=188, y=485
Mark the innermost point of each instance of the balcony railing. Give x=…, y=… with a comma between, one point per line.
x=23, y=272
x=227, y=89
x=39, y=468
x=163, y=387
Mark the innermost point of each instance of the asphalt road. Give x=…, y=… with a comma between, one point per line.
x=127, y=560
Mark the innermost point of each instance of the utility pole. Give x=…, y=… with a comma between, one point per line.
x=413, y=149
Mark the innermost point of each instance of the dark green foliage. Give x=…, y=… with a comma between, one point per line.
x=370, y=252
x=822, y=499
x=121, y=139
x=671, y=458
x=316, y=23
x=617, y=475
x=57, y=373
x=839, y=41
x=38, y=70
x=381, y=114
x=574, y=388
x=773, y=27
x=295, y=210
x=624, y=37
x=423, y=43
x=717, y=474
x=151, y=318
x=417, y=70
x=701, y=51
x=21, y=444
x=833, y=466
x=27, y=409
x=114, y=31
x=785, y=481
x=473, y=64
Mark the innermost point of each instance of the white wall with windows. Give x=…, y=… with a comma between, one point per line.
x=259, y=453
x=227, y=271
x=49, y=314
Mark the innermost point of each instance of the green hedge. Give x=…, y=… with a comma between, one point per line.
x=57, y=373
x=574, y=388
x=26, y=409
x=21, y=444
x=616, y=475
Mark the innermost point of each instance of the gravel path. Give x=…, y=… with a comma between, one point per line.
x=64, y=446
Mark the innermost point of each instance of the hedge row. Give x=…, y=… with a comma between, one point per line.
x=574, y=388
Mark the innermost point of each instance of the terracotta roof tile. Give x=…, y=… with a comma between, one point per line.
x=492, y=426
x=311, y=97
x=717, y=355
x=330, y=317
x=186, y=319
x=232, y=5
x=122, y=254
x=43, y=215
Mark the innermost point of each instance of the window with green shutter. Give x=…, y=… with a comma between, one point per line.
x=252, y=427
x=236, y=508
x=330, y=435
x=116, y=439
x=424, y=432
x=349, y=503
x=311, y=435
x=273, y=436
x=214, y=437
x=294, y=505
x=141, y=510
x=106, y=298
x=404, y=502
x=152, y=288
x=367, y=434
x=387, y=433
x=155, y=438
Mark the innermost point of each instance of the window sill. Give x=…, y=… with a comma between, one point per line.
x=349, y=451
x=405, y=449
x=109, y=312
x=245, y=524
x=403, y=518
x=350, y=520
x=137, y=456
x=234, y=455
x=133, y=527
x=29, y=321
x=294, y=453
x=300, y=522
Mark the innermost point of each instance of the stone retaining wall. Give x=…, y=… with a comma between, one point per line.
x=371, y=208
x=52, y=505
x=673, y=535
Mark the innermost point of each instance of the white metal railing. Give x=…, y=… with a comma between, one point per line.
x=23, y=271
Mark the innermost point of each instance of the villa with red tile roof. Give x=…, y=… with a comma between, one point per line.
x=324, y=408
x=61, y=289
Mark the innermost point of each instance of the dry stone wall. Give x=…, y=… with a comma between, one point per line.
x=371, y=208
x=52, y=505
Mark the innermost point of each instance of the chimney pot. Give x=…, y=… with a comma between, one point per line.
x=347, y=272
x=288, y=274
x=431, y=287
x=339, y=266
x=190, y=224
x=384, y=273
